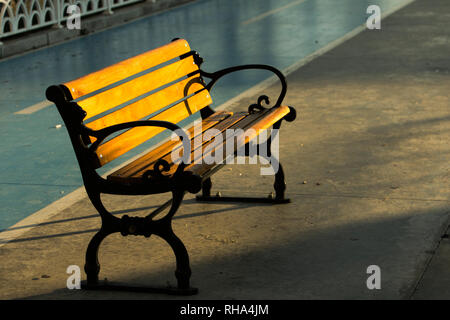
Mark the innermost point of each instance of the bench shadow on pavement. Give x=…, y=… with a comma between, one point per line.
x=301, y=267
x=118, y=212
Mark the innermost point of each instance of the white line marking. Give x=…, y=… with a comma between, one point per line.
x=79, y=194
x=270, y=12
x=35, y=107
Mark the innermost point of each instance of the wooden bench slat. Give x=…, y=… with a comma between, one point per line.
x=134, y=88
x=221, y=126
x=148, y=105
x=149, y=158
x=243, y=124
x=130, y=139
x=264, y=121
x=112, y=74
x=258, y=121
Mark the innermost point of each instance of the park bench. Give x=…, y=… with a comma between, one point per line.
x=133, y=101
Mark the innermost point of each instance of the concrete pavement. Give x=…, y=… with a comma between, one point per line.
x=367, y=171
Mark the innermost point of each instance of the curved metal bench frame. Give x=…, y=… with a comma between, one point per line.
x=178, y=184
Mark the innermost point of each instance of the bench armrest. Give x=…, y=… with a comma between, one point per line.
x=103, y=133
x=218, y=74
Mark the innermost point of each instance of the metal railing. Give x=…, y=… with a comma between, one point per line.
x=20, y=16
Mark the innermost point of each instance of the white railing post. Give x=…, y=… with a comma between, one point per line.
x=109, y=7
x=2, y=10
x=58, y=7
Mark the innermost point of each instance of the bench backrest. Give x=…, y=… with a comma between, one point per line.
x=161, y=84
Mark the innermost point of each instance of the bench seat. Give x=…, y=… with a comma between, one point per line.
x=134, y=172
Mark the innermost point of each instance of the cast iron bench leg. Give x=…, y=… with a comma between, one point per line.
x=92, y=266
x=161, y=227
x=206, y=187
x=183, y=270
x=279, y=185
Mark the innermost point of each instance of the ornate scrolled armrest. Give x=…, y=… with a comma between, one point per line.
x=218, y=74
x=101, y=135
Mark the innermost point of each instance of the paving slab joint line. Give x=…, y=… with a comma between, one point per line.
x=438, y=239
